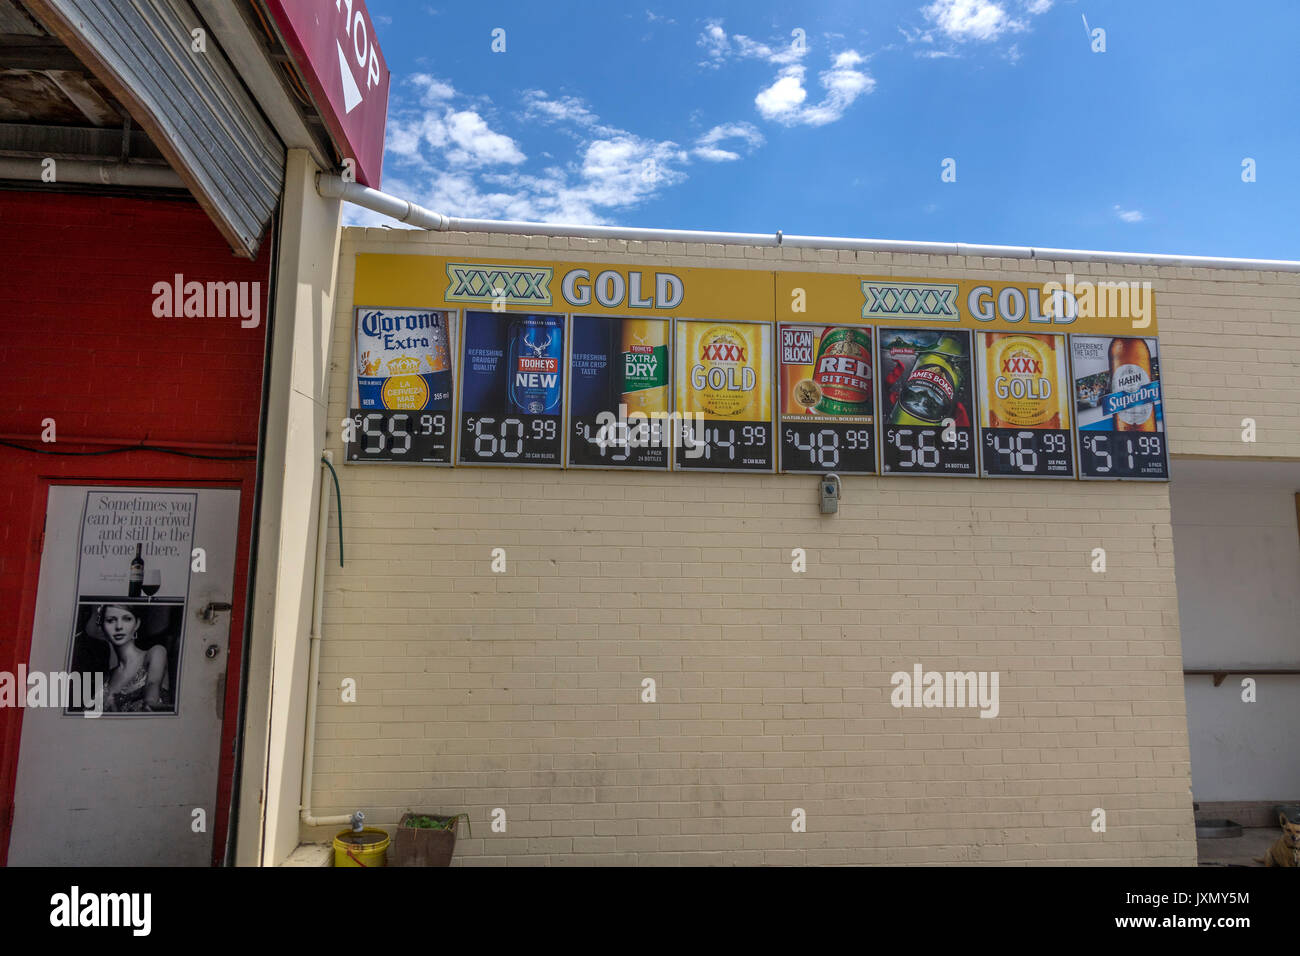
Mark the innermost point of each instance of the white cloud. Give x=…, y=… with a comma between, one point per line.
x=707, y=148
x=780, y=100
x=963, y=20
x=1036, y=7
x=783, y=101
x=1128, y=215
x=452, y=160
x=719, y=46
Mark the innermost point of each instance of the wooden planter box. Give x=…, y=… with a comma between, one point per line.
x=414, y=846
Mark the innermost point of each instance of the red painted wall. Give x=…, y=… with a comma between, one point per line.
x=80, y=344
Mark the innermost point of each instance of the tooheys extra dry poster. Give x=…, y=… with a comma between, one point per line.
x=827, y=399
x=618, y=392
x=1119, y=406
x=512, y=389
x=402, y=393
x=926, y=402
x=1024, y=402
x=723, y=390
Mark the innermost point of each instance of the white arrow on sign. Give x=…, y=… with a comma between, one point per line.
x=351, y=93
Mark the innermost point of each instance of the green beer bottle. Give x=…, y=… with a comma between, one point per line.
x=930, y=393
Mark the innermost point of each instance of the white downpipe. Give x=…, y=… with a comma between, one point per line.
x=83, y=172
x=331, y=186
x=313, y=676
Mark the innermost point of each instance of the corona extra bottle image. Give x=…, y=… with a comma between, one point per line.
x=932, y=390
x=1130, y=369
x=536, y=351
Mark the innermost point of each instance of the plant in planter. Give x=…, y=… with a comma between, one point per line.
x=425, y=839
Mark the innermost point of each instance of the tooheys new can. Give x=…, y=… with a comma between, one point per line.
x=931, y=391
x=843, y=372
x=536, y=351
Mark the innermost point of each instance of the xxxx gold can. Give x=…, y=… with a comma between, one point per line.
x=724, y=370
x=1024, y=389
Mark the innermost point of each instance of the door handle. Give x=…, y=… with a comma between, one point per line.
x=209, y=612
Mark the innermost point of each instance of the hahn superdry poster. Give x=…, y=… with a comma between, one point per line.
x=827, y=398
x=402, y=394
x=1117, y=393
x=133, y=575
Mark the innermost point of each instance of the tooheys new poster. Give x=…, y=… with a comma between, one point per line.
x=724, y=370
x=403, y=359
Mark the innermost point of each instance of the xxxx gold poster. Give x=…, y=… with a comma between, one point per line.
x=1024, y=405
x=723, y=386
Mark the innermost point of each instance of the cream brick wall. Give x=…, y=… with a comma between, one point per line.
x=522, y=690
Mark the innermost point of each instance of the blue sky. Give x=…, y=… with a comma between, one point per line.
x=721, y=116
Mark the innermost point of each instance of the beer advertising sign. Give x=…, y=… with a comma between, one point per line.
x=618, y=408
x=401, y=390
x=1120, y=411
x=1059, y=303
x=723, y=387
x=927, y=402
x=827, y=398
x=512, y=386
x=1024, y=405
x=609, y=365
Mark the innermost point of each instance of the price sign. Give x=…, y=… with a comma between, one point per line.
x=927, y=402
x=401, y=436
x=723, y=386
x=827, y=399
x=618, y=392
x=1117, y=396
x=512, y=385
x=1024, y=405
x=401, y=390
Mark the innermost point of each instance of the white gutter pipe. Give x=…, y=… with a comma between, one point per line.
x=82, y=171
x=331, y=186
x=313, y=671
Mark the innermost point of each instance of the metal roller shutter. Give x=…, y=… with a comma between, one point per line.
x=192, y=104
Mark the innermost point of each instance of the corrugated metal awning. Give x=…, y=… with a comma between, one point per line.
x=191, y=103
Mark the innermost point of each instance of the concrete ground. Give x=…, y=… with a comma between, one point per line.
x=1237, y=851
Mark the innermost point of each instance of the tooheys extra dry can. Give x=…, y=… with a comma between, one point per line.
x=931, y=392
x=843, y=372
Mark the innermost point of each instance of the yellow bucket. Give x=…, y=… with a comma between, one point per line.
x=367, y=848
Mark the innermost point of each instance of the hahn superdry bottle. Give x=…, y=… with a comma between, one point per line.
x=932, y=390
x=536, y=353
x=1130, y=371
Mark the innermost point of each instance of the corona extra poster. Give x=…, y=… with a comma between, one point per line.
x=402, y=394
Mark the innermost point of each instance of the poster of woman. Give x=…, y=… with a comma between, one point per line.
x=133, y=575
